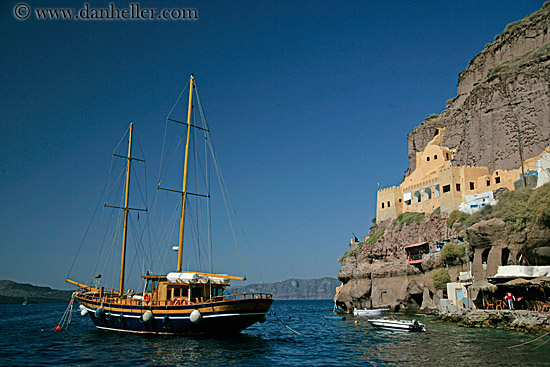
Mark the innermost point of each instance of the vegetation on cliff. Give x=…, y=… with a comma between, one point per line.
x=536, y=17
x=372, y=239
x=537, y=56
x=408, y=218
x=452, y=253
x=516, y=208
x=441, y=278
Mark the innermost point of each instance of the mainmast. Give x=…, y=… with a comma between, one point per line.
x=125, y=228
x=185, y=170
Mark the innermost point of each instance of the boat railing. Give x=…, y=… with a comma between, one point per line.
x=112, y=297
x=241, y=296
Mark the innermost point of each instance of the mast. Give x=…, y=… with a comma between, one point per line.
x=125, y=228
x=185, y=170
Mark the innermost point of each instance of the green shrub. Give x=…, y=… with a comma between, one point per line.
x=456, y=215
x=437, y=211
x=539, y=206
x=472, y=219
x=372, y=239
x=441, y=278
x=513, y=208
x=451, y=252
x=409, y=217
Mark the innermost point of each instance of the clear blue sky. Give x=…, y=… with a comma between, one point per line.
x=310, y=103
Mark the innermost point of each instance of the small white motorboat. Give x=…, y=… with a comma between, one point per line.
x=370, y=312
x=412, y=325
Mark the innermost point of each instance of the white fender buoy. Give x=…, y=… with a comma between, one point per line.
x=262, y=320
x=99, y=312
x=195, y=316
x=83, y=312
x=147, y=316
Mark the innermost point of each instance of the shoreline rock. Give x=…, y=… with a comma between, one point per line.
x=519, y=320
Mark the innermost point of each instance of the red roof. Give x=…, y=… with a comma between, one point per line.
x=417, y=244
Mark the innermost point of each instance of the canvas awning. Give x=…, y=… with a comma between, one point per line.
x=194, y=278
x=519, y=282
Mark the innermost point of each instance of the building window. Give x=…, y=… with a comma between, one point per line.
x=388, y=204
x=435, y=156
x=428, y=159
x=417, y=197
x=399, y=200
x=446, y=156
x=446, y=188
x=457, y=187
x=436, y=191
x=382, y=205
x=427, y=193
x=472, y=186
x=488, y=182
x=497, y=180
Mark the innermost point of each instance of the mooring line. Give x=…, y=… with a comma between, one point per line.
x=281, y=321
x=530, y=341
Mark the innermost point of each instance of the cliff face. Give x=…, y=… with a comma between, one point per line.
x=503, y=246
x=379, y=275
x=503, y=101
x=502, y=98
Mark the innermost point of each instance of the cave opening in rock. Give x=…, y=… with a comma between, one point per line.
x=485, y=255
x=504, y=256
x=417, y=298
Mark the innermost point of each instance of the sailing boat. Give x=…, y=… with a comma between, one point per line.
x=179, y=302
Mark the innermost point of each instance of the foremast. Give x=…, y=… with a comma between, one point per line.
x=126, y=207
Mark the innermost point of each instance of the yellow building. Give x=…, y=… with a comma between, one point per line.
x=435, y=183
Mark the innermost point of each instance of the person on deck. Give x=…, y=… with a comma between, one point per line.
x=510, y=297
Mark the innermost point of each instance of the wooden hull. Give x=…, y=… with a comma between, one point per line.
x=223, y=317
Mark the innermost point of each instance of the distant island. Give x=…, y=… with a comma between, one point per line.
x=14, y=293
x=296, y=289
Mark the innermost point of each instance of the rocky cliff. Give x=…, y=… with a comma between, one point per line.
x=378, y=275
x=502, y=101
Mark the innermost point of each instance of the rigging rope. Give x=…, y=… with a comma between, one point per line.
x=67, y=316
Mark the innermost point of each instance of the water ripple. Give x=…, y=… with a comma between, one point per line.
x=29, y=340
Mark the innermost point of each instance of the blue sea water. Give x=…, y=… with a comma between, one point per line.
x=28, y=339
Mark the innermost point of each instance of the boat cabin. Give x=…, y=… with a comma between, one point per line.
x=183, y=288
x=416, y=252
